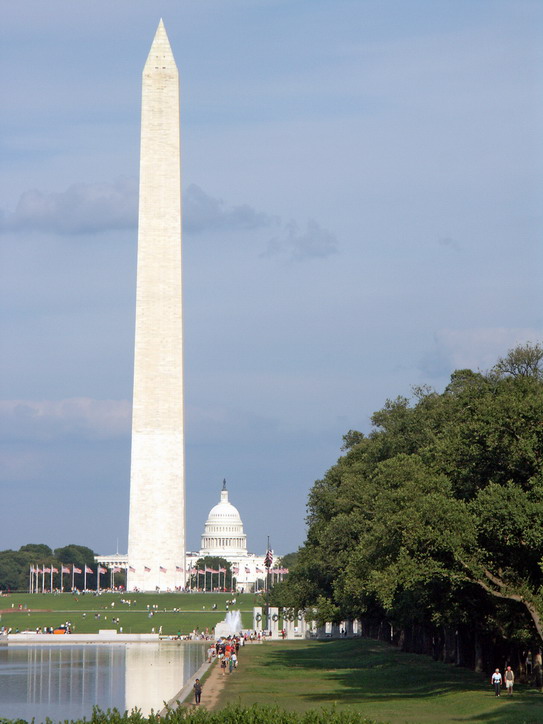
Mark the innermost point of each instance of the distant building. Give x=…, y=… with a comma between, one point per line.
x=223, y=537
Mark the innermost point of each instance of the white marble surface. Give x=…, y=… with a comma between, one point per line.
x=157, y=484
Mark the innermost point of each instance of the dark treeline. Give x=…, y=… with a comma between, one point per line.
x=15, y=566
x=430, y=528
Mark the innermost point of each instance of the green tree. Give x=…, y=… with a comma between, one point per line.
x=38, y=550
x=213, y=580
x=73, y=553
x=439, y=507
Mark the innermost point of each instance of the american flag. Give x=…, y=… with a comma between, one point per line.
x=116, y=570
x=147, y=569
x=268, y=560
x=55, y=570
x=102, y=570
x=77, y=570
x=131, y=569
x=222, y=570
x=259, y=570
x=236, y=571
x=202, y=572
x=88, y=570
x=247, y=569
x=179, y=569
x=162, y=569
x=65, y=569
x=48, y=570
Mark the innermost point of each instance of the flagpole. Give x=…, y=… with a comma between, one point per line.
x=51, y=586
x=85, y=578
x=267, y=563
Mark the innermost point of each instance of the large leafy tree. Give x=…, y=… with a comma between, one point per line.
x=439, y=509
x=213, y=580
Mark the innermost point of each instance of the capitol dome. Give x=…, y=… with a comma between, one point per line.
x=223, y=531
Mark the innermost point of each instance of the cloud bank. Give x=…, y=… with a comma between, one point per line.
x=477, y=348
x=203, y=212
x=81, y=209
x=313, y=243
x=96, y=208
x=81, y=417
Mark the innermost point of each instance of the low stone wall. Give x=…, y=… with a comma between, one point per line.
x=105, y=636
x=187, y=688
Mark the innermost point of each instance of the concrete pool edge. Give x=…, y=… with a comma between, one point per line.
x=181, y=695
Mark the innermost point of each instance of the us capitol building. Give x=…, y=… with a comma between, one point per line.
x=223, y=537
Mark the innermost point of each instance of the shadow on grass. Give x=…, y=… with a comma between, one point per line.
x=362, y=671
x=371, y=671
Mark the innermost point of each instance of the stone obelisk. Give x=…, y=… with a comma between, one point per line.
x=156, y=538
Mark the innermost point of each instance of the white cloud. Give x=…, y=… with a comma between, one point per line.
x=314, y=242
x=90, y=208
x=93, y=208
x=82, y=209
x=476, y=348
x=45, y=420
x=203, y=212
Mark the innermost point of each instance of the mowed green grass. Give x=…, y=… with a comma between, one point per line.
x=375, y=679
x=83, y=611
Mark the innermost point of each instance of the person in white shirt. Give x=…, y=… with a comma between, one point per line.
x=496, y=681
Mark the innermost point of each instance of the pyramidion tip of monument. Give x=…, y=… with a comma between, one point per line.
x=161, y=31
x=160, y=48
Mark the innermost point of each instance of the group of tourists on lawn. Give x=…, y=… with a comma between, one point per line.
x=226, y=650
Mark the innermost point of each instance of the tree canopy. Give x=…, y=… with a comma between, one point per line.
x=14, y=565
x=437, y=514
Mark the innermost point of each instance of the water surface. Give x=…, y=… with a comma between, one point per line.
x=65, y=682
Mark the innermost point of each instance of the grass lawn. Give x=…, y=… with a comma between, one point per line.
x=374, y=679
x=83, y=611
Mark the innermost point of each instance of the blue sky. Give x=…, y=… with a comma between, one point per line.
x=362, y=213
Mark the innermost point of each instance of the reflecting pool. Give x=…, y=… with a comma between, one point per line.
x=65, y=682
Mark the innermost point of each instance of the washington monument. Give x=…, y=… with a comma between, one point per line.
x=156, y=536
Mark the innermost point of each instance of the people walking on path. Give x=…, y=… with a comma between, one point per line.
x=496, y=681
x=509, y=677
x=197, y=691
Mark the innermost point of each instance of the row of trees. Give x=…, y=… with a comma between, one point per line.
x=430, y=528
x=15, y=565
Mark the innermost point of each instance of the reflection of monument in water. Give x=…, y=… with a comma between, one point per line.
x=165, y=668
x=64, y=682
